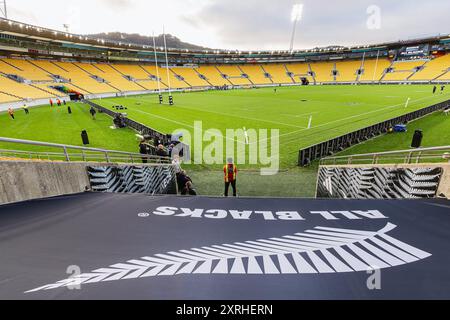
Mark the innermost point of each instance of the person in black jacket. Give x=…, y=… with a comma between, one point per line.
x=161, y=152
x=185, y=184
x=144, y=149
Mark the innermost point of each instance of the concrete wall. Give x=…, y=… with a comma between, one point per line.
x=26, y=180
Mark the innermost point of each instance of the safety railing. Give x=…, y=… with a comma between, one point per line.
x=68, y=153
x=411, y=156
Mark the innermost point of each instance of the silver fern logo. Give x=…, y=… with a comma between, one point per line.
x=319, y=250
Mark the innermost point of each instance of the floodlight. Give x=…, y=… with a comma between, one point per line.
x=297, y=11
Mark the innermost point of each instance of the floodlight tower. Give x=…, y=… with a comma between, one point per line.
x=3, y=9
x=296, y=16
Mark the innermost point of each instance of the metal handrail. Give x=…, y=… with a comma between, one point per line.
x=408, y=156
x=86, y=152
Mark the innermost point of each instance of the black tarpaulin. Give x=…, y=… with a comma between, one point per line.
x=119, y=246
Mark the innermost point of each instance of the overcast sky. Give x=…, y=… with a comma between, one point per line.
x=245, y=24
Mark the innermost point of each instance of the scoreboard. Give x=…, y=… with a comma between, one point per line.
x=421, y=51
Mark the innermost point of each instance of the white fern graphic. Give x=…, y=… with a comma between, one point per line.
x=320, y=250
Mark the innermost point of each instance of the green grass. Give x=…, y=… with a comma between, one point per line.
x=336, y=110
x=58, y=126
x=295, y=182
x=436, y=132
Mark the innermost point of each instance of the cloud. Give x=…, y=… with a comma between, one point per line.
x=118, y=4
x=265, y=24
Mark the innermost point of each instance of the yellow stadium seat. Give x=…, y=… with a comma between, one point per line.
x=299, y=70
x=373, y=69
x=323, y=71
x=433, y=69
x=402, y=70
x=191, y=76
x=234, y=75
x=278, y=72
x=256, y=74
x=348, y=70
x=213, y=75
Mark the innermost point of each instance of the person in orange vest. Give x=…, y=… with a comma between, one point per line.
x=58, y=102
x=230, y=174
x=51, y=103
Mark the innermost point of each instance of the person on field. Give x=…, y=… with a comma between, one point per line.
x=434, y=89
x=230, y=174
x=11, y=113
x=25, y=108
x=51, y=103
x=442, y=89
x=92, y=112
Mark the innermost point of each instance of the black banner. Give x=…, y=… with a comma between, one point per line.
x=122, y=246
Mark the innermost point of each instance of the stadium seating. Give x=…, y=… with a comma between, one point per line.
x=24, y=69
x=213, y=75
x=299, y=70
x=98, y=78
x=4, y=98
x=434, y=69
x=21, y=90
x=278, y=72
x=190, y=76
x=174, y=82
x=347, y=70
x=234, y=74
x=374, y=70
x=323, y=71
x=256, y=74
x=82, y=79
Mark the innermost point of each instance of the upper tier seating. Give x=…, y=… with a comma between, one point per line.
x=434, y=69
x=402, y=70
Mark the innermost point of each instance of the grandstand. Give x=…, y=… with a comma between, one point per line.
x=323, y=71
x=278, y=73
x=403, y=70
x=28, y=79
x=299, y=71
x=373, y=69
